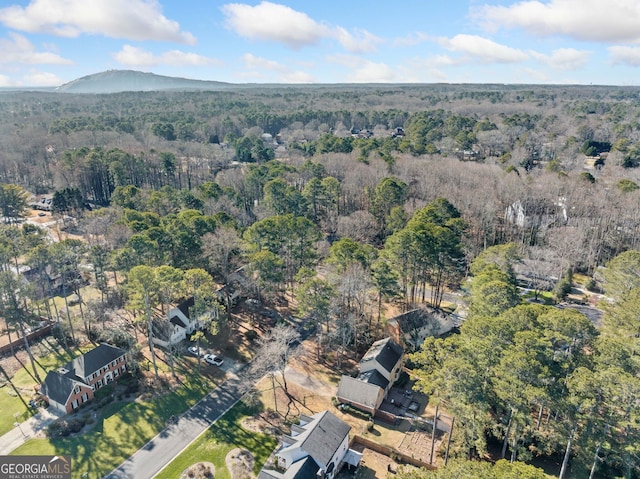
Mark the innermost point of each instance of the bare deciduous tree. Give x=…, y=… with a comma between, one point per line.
x=275, y=351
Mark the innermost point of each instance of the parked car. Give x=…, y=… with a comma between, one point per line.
x=213, y=359
x=194, y=350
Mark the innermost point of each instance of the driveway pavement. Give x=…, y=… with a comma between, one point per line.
x=26, y=430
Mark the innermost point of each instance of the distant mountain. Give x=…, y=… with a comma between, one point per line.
x=115, y=81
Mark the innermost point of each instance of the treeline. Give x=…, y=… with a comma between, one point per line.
x=164, y=184
x=539, y=379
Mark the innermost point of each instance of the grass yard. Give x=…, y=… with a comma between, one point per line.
x=121, y=428
x=15, y=396
x=216, y=442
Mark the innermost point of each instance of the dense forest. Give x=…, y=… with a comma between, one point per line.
x=347, y=198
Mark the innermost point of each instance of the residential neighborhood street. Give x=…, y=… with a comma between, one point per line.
x=149, y=460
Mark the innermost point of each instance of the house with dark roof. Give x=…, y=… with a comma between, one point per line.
x=317, y=448
x=181, y=323
x=379, y=368
x=413, y=327
x=42, y=202
x=73, y=384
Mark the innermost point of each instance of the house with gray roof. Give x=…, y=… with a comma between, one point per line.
x=180, y=324
x=68, y=387
x=413, y=327
x=379, y=368
x=317, y=448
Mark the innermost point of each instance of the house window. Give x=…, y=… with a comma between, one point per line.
x=124, y=368
x=115, y=373
x=74, y=404
x=99, y=384
x=76, y=390
x=85, y=397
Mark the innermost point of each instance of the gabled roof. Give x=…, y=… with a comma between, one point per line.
x=386, y=352
x=305, y=468
x=322, y=437
x=93, y=360
x=359, y=392
x=186, y=305
x=434, y=322
x=57, y=387
x=161, y=329
x=374, y=377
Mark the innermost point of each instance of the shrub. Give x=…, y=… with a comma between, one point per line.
x=104, y=392
x=591, y=285
x=355, y=411
x=563, y=288
x=251, y=335
x=132, y=388
x=65, y=426
x=402, y=381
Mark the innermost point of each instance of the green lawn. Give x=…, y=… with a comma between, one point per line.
x=15, y=396
x=121, y=429
x=214, y=444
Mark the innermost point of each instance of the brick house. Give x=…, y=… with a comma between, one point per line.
x=75, y=383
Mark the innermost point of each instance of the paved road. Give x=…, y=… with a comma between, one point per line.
x=162, y=449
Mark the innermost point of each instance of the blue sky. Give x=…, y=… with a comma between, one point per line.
x=50, y=42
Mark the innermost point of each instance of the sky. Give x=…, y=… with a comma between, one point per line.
x=51, y=42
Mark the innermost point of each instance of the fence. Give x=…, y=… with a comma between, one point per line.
x=18, y=343
x=391, y=452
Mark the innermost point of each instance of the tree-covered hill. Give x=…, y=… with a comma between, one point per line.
x=114, y=81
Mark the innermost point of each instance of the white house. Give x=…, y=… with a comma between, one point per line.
x=181, y=324
x=316, y=448
x=538, y=213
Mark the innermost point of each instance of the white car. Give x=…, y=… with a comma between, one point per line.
x=194, y=350
x=213, y=359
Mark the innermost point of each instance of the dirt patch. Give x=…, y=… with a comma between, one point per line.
x=265, y=422
x=240, y=463
x=200, y=470
x=373, y=465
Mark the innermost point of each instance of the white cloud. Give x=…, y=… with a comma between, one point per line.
x=130, y=19
x=625, y=55
x=563, y=58
x=364, y=71
x=412, y=39
x=5, y=81
x=444, y=60
x=37, y=78
x=482, y=50
x=588, y=20
x=274, y=22
x=371, y=72
x=262, y=67
x=361, y=41
x=298, y=77
x=258, y=63
x=18, y=49
x=134, y=56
